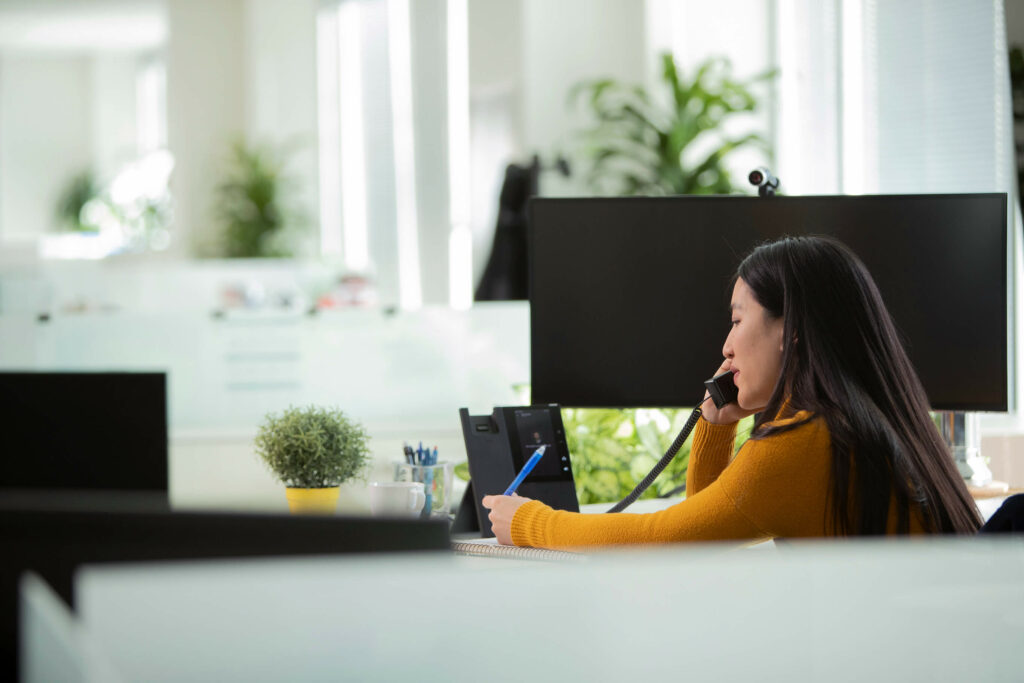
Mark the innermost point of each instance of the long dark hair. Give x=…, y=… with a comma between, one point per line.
x=844, y=362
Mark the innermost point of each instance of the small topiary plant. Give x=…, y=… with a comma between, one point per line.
x=313, y=447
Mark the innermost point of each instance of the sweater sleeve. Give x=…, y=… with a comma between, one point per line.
x=708, y=516
x=709, y=454
x=774, y=487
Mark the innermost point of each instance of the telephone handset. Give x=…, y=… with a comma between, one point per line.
x=722, y=390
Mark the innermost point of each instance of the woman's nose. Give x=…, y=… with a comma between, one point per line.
x=727, y=347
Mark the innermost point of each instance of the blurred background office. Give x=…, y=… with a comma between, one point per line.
x=293, y=201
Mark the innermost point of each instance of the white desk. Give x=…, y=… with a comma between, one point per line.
x=909, y=610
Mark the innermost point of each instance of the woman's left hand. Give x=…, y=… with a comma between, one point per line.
x=503, y=509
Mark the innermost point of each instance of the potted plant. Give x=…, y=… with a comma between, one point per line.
x=671, y=141
x=313, y=451
x=79, y=191
x=255, y=204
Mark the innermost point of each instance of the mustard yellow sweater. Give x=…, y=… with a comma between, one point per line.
x=775, y=487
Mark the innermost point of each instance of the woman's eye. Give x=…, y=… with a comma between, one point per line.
x=735, y=323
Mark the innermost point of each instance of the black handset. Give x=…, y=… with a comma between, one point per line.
x=722, y=389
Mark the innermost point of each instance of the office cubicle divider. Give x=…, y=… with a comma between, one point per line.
x=55, y=533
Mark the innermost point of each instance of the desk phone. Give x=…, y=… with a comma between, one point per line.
x=497, y=447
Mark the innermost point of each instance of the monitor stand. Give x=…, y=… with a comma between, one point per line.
x=960, y=432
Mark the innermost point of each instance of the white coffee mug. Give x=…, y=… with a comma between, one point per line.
x=397, y=498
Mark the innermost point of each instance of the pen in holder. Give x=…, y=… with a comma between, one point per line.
x=437, y=485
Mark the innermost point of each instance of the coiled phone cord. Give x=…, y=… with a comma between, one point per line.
x=663, y=463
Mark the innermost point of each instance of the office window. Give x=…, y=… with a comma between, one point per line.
x=893, y=96
x=936, y=113
x=393, y=125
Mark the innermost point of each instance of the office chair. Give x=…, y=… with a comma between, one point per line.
x=1009, y=518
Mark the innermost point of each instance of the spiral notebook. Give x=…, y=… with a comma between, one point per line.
x=491, y=547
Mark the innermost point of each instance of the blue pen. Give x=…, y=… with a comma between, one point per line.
x=530, y=464
x=428, y=480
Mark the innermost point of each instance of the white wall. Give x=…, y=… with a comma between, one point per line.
x=45, y=137
x=809, y=142
x=564, y=43
x=381, y=209
x=280, y=91
x=205, y=109
x=495, y=110
x=68, y=104
x=114, y=111
x=429, y=29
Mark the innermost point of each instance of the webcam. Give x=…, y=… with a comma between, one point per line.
x=765, y=182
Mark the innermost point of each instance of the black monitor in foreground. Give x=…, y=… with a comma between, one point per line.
x=629, y=296
x=84, y=430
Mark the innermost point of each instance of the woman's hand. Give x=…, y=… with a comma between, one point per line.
x=730, y=412
x=503, y=509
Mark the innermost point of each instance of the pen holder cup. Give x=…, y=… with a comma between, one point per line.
x=437, y=485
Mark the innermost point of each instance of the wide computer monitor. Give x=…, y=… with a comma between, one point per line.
x=629, y=296
x=84, y=430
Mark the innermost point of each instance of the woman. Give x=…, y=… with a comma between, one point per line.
x=843, y=445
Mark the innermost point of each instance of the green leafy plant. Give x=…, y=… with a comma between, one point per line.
x=613, y=450
x=132, y=210
x=79, y=191
x=251, y=202
x=313, y=447
x=668, y=142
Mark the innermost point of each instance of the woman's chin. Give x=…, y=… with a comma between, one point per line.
x=740, y=401
x=746, y=403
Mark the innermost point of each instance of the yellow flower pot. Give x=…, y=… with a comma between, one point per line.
x=313, y=501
